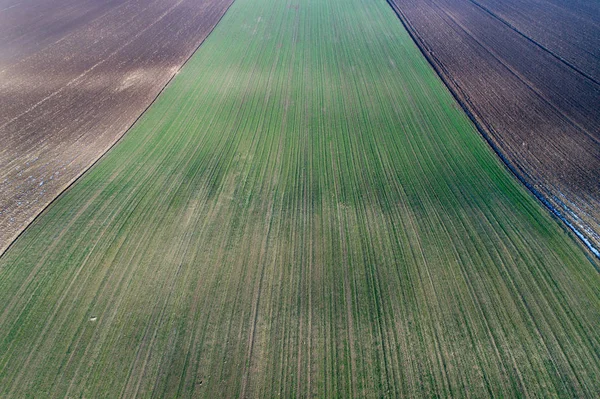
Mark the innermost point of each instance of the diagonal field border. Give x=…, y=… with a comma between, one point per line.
x=484, y=128
x=78, y=177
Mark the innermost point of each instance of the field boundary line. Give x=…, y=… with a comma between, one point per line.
x=82, y=174
x=485, y=130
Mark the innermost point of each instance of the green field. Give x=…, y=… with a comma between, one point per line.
x=305, y=211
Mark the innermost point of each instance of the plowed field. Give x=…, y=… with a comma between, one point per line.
x=74, y=75
x=527, y=73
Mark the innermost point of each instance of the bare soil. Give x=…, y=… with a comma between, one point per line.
x=527, y=73
x=74, y=76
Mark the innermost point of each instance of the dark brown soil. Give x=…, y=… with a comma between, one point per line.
x=566, y=28
x=74, y=75
x=527, y=73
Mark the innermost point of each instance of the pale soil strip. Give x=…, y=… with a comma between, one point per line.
x=37, y=206
x=78, y=78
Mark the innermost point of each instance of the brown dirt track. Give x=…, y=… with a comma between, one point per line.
x=527, y=73
x=74, y=76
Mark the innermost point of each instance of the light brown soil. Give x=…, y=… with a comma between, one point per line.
x=74, y=76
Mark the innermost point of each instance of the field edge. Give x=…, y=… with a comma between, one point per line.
x=84, y=171
x=584, y=241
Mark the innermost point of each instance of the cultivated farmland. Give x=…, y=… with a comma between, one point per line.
x=527, y=73
x=304, y=211
x=74, y=75
x=566, y=28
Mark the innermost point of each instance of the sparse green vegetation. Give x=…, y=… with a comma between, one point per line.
x=303, y=212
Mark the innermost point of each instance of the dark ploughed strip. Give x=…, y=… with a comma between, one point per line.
x=526, y=72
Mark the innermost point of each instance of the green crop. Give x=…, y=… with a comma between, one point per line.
x=304, y=211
